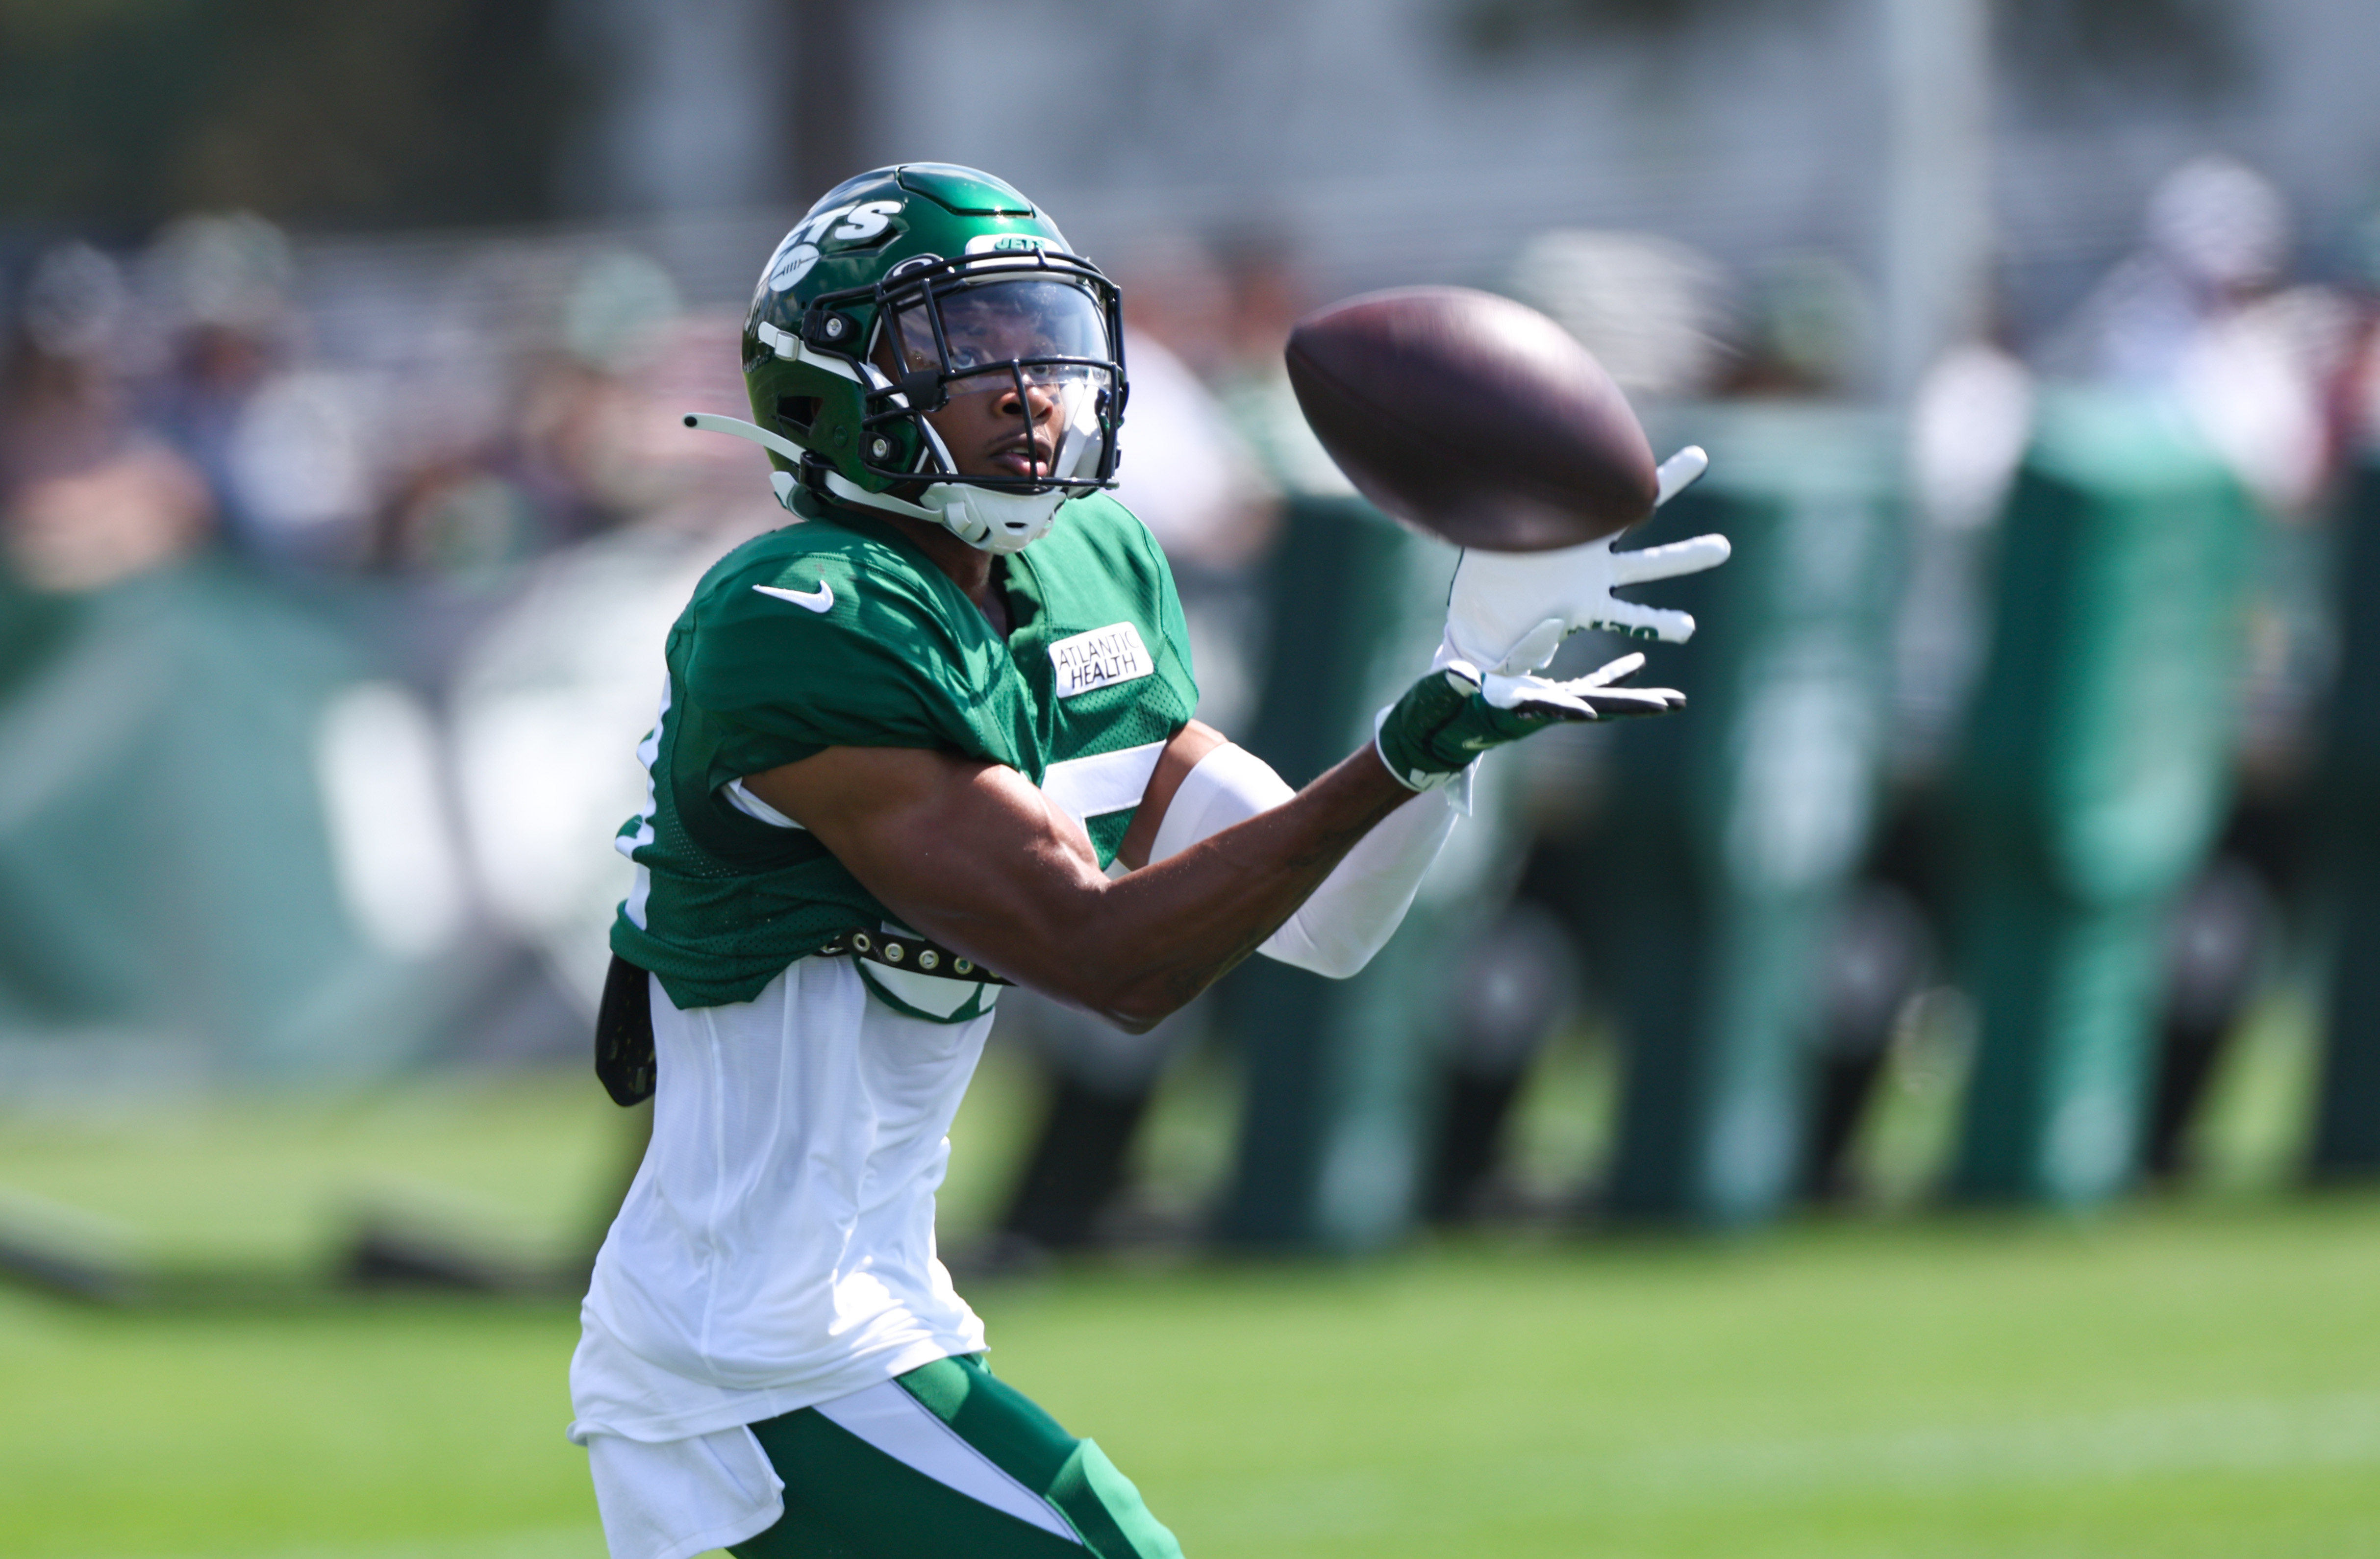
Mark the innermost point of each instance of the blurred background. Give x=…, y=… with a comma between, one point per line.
x=1926, y=1100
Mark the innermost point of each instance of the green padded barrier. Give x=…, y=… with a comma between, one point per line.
x=1335, y=1071
x=168, y=892
x=2092, y=778
x=1733, y=826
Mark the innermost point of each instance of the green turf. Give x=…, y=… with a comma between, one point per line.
x=273, y=1184
x=530, y=1164
x=2172, y=1381
x=2188, y=1379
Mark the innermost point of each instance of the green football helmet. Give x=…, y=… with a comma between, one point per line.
x=901, y=290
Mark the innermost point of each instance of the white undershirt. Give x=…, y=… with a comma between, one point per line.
x=776, y=1250
x=777, y=1247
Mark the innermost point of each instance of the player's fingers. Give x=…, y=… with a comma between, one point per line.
x=1621, y=703
x=1509, y=691
x=1535, y=695
x=1669, y=560
x=1609, y=671
x=1678, y=472
x=1639, y=621
x=1556, y=706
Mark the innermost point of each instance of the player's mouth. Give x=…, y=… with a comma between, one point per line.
x=1029, y=458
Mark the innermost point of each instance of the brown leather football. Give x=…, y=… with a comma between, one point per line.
x=1472, y=418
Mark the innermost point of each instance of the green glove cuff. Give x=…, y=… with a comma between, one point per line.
x=1440, y=726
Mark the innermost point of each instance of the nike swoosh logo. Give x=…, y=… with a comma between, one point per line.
x=818, y=599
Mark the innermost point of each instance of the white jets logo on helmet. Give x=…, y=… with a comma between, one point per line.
x=799, y=250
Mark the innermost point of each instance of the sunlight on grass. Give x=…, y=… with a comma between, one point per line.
x=2195, y=1377
x=529, y=1162
x=2192, y=1381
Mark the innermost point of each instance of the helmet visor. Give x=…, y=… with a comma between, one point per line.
x=1029, y=371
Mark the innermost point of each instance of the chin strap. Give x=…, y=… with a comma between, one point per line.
x=984, y=517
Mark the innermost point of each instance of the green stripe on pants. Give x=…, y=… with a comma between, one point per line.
x=844, y=1499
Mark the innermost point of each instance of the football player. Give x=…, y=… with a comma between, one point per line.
x=940, y=728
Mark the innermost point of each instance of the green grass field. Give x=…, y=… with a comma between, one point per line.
x=2165, y=1384
x=2196, y=1378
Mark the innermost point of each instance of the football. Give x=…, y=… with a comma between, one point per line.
x=1472, y=418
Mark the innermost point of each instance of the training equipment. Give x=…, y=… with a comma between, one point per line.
x=1450, y=717
x=901, y=291
x=1510, y=612
x=1472, y=418
x=2091, y=783
x=1728, y=838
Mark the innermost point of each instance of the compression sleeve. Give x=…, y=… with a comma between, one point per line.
x=1360, y=905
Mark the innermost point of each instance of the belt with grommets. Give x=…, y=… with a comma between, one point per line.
x=901, y=950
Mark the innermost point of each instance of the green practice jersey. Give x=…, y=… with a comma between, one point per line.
x=839, y=632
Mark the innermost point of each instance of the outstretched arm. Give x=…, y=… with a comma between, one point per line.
x=1205, y=785
x=972, y=855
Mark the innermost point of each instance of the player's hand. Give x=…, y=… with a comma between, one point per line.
x=1510, y=611
x=1457, y=712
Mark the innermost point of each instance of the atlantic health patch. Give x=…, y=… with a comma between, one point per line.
x=1100, y=658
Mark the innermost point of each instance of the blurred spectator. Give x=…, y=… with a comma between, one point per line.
x=2198, y=311
x=1515, y=982
x=137, y=510
x=1264, y=300
x=64, y=403
x=281, y=449
x=590, y=439
x=88, y=500
x=2203, y=312
x=1874, y=963
x=2214, y=239
x=2219, y=936
x=1970, y=421
x=300, y=470
x=595, y=435
x=2354, y=400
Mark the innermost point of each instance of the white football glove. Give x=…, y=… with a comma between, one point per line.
x=1592, y=697
x=1509, y=612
